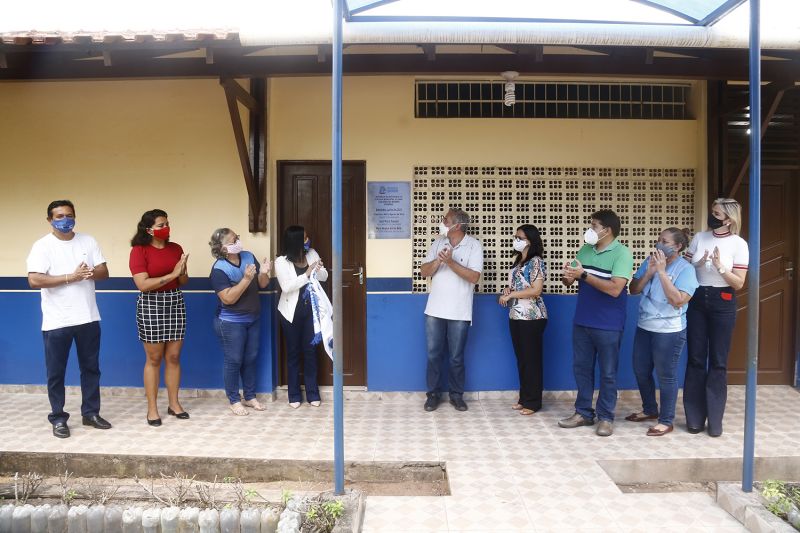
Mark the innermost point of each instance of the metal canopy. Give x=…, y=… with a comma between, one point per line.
x=695, y=12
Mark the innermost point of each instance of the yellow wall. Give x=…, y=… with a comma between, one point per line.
x=381, y=129
x=117, y=149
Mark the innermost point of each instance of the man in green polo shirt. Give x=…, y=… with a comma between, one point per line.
x=602, y=269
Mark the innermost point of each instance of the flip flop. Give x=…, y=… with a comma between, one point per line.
x=516, y=406
x=640, y=417
x=238, y=409
x=525, y=411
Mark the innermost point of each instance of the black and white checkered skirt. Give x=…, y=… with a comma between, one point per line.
x=161, y=316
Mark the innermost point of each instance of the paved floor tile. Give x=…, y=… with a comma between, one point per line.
x=507, y=472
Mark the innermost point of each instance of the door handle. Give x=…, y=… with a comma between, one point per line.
x=790, y=269
x=360, y=275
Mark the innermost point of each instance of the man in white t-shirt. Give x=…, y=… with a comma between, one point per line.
x=65, y=265
x=454, y=263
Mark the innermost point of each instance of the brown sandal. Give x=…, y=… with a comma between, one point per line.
x=640, y=417
x=653, y=432
x=525, y=411
x=516, y=406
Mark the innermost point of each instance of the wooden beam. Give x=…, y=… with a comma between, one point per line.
x=648, y=56
x=430, y=51
x=239, y=93
x=252, y=158
x=773, y=102
x=107, y=59
x=209, y=55
x=258, y=154
x=230, y=64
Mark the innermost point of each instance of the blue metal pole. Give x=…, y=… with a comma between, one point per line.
x=753, y=293
x=336, y=239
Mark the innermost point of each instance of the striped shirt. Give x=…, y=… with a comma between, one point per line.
x=596, y=309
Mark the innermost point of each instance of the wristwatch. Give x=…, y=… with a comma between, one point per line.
x=721, y=270
x=584, y=275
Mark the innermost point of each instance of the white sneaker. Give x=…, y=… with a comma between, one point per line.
x=315, y=403
x=294, y=405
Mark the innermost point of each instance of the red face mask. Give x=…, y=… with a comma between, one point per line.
x=161, y=233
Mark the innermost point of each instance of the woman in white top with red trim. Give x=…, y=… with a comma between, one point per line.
x=720, y=258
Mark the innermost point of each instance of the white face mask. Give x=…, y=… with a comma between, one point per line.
x=234, y=247
x=443, y=230
x=591, y=237
x=519, y=244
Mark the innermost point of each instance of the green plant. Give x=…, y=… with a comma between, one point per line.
x=323, y=516
x=67, y=492
x=286, y=495
x=778, y=497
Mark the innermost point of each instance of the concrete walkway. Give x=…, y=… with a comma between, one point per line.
x=507, y=472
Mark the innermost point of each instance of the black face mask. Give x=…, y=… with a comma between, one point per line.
x=714, y=222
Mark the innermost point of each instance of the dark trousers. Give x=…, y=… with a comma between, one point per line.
x=527, y=336
x=298, y=334
x=709, y=320
x=57, y=343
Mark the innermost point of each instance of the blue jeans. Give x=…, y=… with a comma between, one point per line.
x=661, y=351
x=239, y=342
x=590, y=346
x=298, y=334
x=57, y=343
x=710, y=320
x=446, y=336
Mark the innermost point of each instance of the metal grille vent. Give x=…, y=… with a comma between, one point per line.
x=471, y=99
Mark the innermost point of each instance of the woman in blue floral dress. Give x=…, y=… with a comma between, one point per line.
x=527, y=316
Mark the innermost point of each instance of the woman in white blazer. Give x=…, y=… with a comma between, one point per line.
x=293, y=270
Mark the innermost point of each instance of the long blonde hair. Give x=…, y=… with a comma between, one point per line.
x=733, y=210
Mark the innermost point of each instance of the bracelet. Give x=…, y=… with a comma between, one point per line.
x=66, y=279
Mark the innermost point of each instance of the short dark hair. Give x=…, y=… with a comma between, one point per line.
x=293, y=238
x=58, y=203
x=142, y=238
x=609, y=219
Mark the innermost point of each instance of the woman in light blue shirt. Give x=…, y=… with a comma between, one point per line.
x=666, y=282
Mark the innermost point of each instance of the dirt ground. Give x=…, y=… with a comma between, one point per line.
x=126, y=491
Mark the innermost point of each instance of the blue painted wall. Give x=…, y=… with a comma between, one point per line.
x=121, y=355
x=396, y=354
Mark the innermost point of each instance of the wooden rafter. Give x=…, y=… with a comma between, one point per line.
x=252, y=155
x=772, y=95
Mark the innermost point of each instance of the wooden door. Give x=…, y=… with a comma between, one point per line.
x=304, y=190
x=778, y=296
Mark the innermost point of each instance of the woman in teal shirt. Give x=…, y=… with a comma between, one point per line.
x=666, y=282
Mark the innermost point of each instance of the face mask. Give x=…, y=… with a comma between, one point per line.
x=64, y=225
x=443, y=230
x=714, y=222
x=161, y=233
x=519, y=244
x=234, y=247
x=307, y=245
x=591, y=237
x=666, y=250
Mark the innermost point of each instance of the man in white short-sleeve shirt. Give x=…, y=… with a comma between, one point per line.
x=65, y=265
x=454, y=263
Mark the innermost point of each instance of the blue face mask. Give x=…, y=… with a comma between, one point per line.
x=307, y=245
x=64, y=225
x=666, y=250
